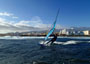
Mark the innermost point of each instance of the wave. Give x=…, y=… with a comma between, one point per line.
x=70, y=42
x=42, y=37
x=67, y=42
x=18, y=37
x=63, y=43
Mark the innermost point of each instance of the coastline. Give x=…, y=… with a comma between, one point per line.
x=45, y=35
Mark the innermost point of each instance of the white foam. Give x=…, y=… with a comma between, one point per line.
x=25, y=37
x=44, y=43
x=67, y=42
x=33, y=37
x=18, y=37
x=63, y=43
x=70, y=42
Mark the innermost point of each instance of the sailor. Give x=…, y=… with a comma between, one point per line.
x=53, y=39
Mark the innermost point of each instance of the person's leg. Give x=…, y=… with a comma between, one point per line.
x=52, y=43
x=48, y=41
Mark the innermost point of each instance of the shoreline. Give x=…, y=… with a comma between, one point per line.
x=58, y=36
x=50, y=36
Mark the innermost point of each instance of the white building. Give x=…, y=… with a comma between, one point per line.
x=65, y=32
x=70, y=32
x=87, y=32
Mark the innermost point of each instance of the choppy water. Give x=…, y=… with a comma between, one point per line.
x=27, y=51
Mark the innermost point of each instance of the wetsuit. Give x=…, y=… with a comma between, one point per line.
x=53, y=39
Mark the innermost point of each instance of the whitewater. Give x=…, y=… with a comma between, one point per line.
x=73, y=40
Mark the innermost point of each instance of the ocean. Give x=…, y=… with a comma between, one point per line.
x=26, y=50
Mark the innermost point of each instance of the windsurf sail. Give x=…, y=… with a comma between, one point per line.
x=53, y=27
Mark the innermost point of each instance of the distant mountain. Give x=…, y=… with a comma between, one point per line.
x=80, y=28
x=42, y=30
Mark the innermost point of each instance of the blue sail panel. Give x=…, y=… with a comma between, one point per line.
x=51, y=31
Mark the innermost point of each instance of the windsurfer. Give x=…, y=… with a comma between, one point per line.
x=53, y=39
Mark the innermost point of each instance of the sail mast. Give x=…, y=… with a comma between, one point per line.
x=53, y=27
x=56, y=18
x=57, y=15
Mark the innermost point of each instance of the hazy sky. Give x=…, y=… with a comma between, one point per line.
x=18, y=14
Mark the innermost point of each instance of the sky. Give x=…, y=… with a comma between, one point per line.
x=21, y=15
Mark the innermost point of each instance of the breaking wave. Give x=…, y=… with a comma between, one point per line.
x=64, y=43
x=70, y=42
x=18, y=37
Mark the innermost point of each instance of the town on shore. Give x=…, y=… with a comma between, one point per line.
x=63, y=32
